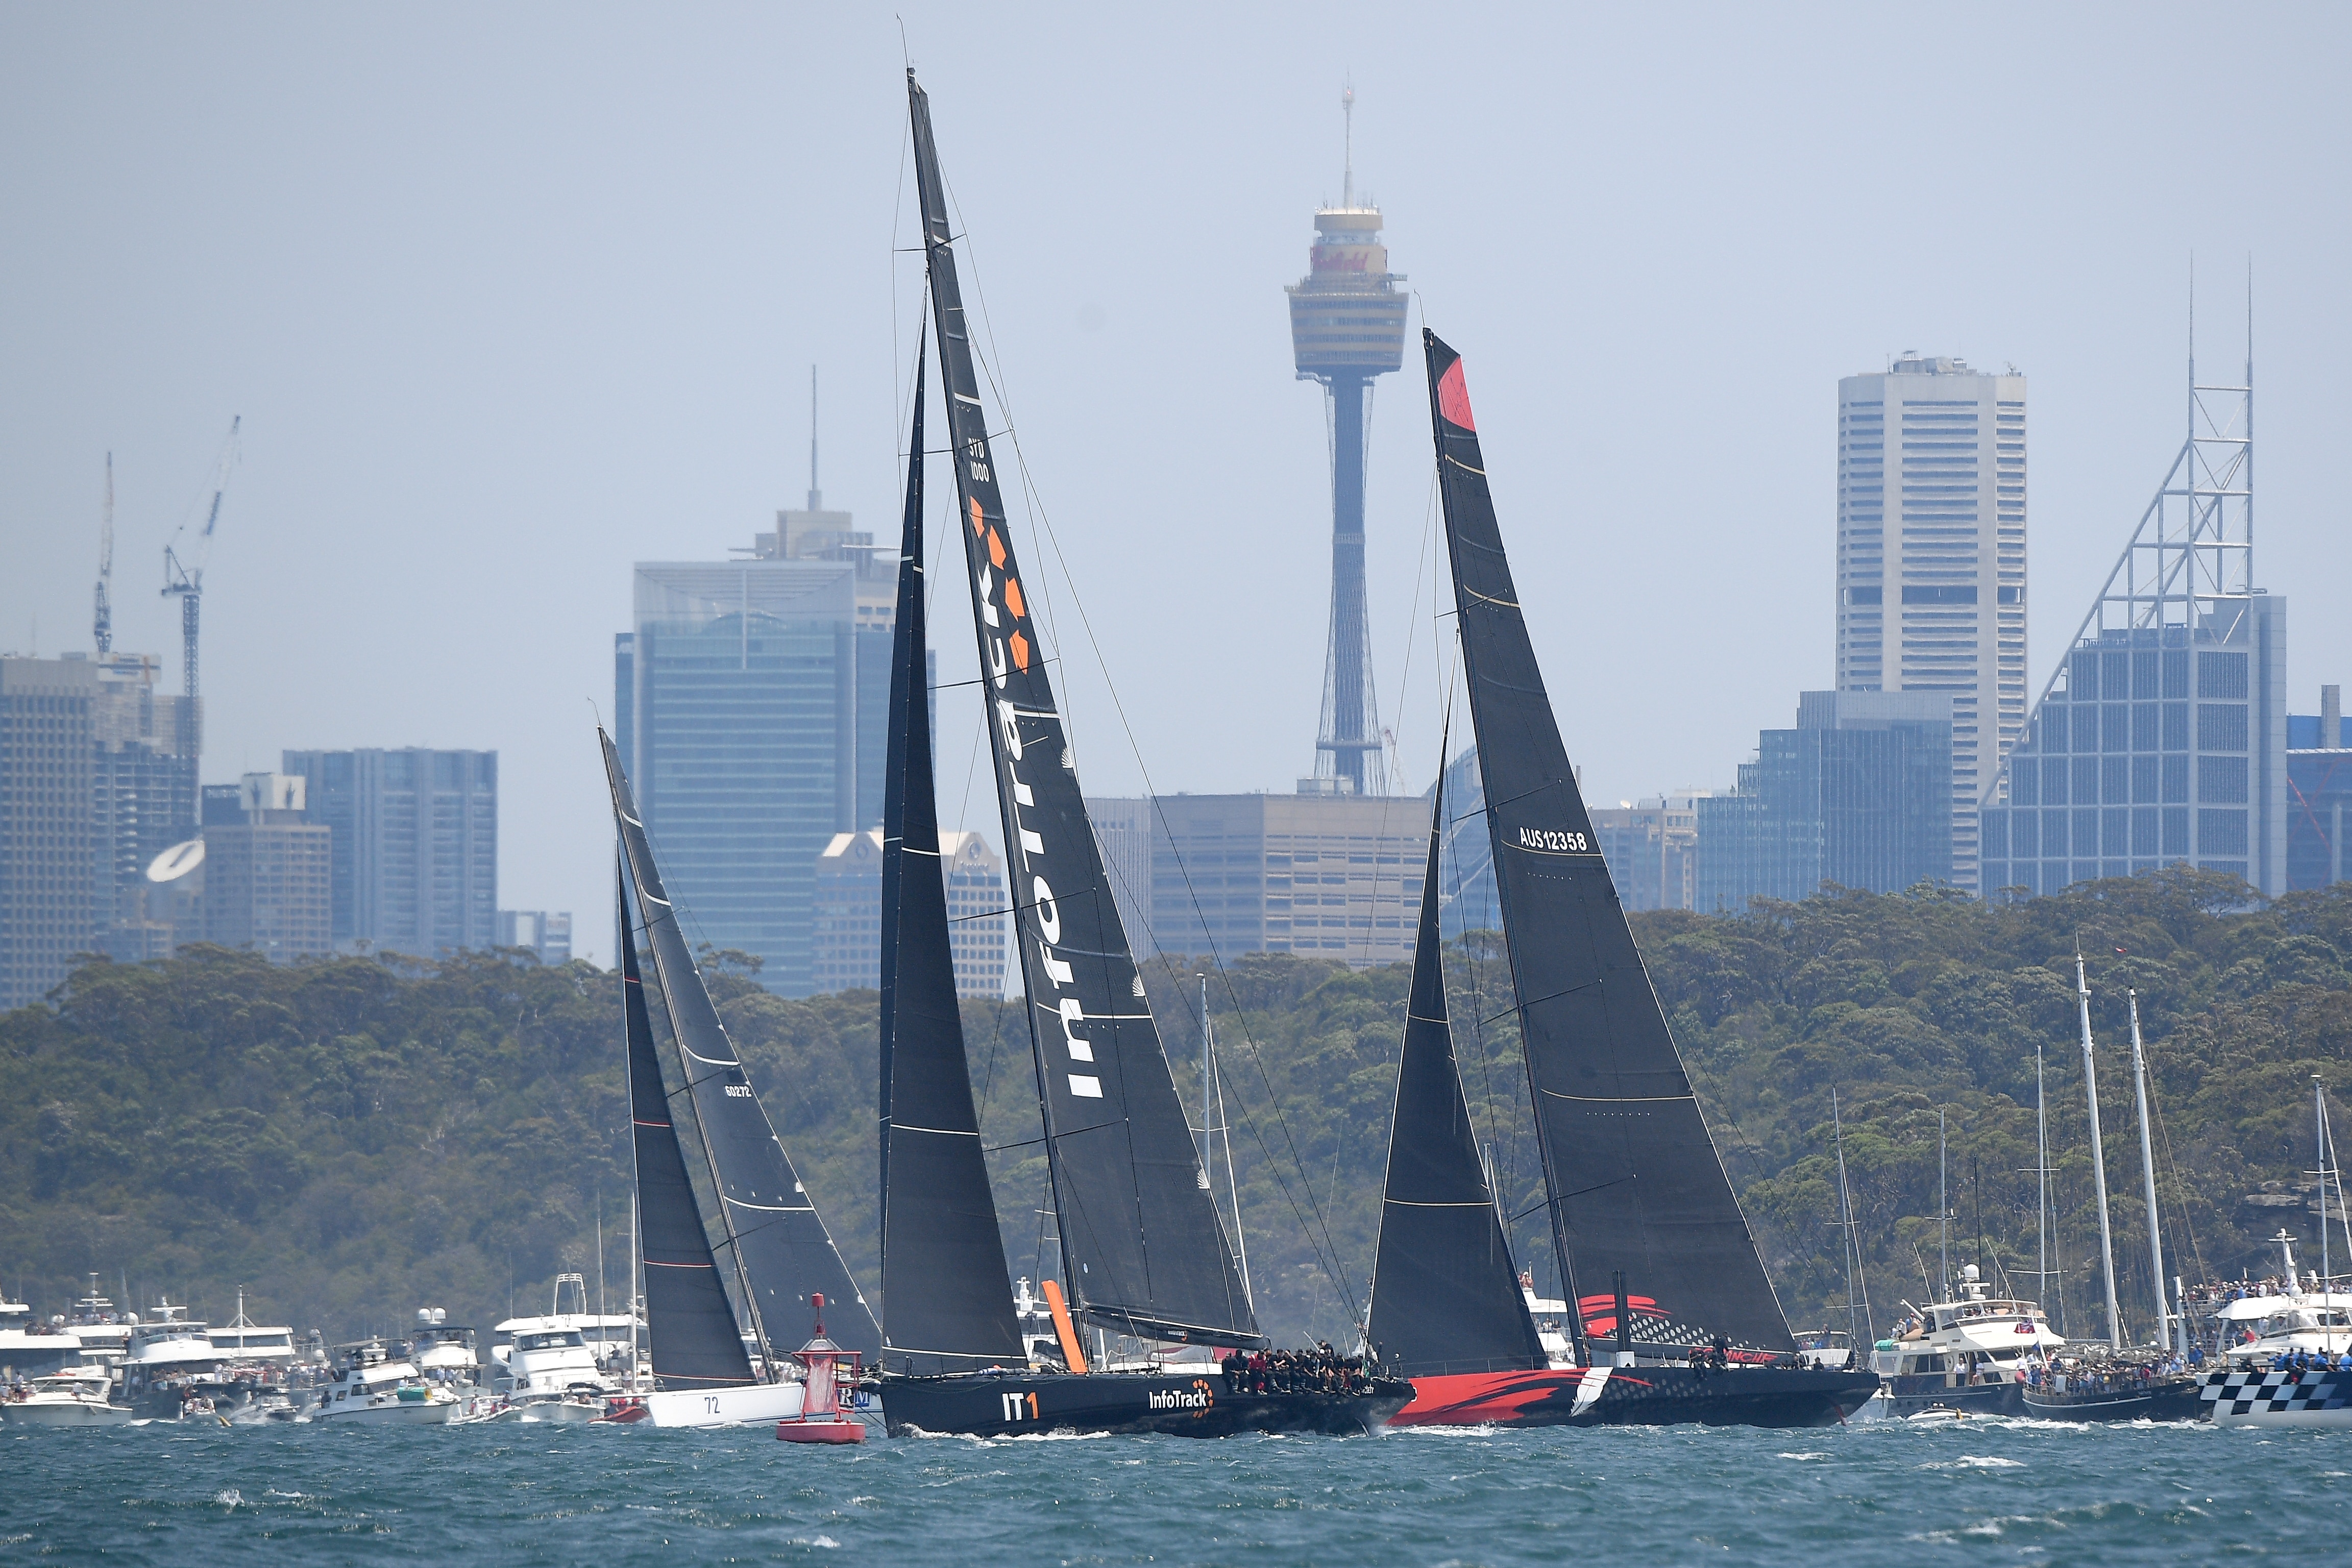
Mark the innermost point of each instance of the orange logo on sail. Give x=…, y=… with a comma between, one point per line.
x=996, y=550
x=1021, y=652
x=977, y=525
x=1013, y=596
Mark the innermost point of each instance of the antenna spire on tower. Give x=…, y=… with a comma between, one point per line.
x=816, y=496
x=102, y=622
x=1347, y=178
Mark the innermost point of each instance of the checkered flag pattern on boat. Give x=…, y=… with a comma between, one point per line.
x=2277, y=1392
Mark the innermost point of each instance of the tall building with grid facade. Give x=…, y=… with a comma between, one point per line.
x=1931, y=559
x=1857, y=795
x=415, y=846
x=269, y=875
x=752, y=707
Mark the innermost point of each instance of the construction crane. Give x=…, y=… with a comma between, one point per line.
x=101, y=625
x=183, y=575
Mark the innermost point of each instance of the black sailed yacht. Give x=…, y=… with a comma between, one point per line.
x=1671, y=1317
x=776, y=1246
x=1144, y=1255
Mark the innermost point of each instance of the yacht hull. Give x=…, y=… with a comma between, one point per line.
x=2176, y=1399
x=1639, y=1396
x=750, y=1405
x=2312, y=1399
x=388, y=1412
x=40, y=1411
x=1908, y=1396
x=1003, y=1405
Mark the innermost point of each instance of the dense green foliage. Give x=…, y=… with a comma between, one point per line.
x=355, y=1138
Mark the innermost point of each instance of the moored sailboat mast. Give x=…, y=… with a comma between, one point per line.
x=2098, y=1158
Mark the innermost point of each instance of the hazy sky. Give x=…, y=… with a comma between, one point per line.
x=510, y=297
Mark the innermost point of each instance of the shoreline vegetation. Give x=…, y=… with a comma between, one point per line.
x=351, y=1138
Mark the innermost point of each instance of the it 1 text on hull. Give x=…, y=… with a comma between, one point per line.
x=992, y=1405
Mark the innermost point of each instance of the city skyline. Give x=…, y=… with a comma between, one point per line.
x=451, y=448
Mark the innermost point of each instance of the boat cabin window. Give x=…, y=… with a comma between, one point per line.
x=547, y=1341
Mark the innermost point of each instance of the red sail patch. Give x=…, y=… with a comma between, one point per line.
x=1453, y=398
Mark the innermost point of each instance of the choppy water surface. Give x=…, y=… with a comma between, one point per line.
x=2028, y=1491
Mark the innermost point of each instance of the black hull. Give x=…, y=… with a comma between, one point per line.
x=1003, y=1405
x=1641, y=1396
x=2180, y=1400
x=1910, y=1395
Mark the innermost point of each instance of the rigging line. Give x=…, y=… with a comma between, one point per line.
x=2179, y=1188
x=1043, y=519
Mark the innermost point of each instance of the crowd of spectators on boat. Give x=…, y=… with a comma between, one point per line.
x=2107, y=1377
x=1317, y=1369
x=2311, y=1361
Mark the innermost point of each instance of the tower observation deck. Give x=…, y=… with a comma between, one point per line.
x=1347, y=326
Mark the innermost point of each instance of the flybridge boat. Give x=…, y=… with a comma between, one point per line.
x=1971, y=1353
x=2297, y=1372
x=377, y=1386
x=1144, y=1252
x=167, y=1363
x=563, y=1366
x=1673, y=1318
x=701, y=1359
x=28, y=1349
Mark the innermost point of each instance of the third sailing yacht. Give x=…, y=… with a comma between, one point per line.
x=1671, y=1317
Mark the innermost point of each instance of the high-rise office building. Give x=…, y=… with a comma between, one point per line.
x=849, y=913
x=753, y=702
x=1652, y=849
x=49, y=841
x=2318, y=793
x=268, y=877
x=1944, y=609
x=1347, y=327
x=1322, y=875
x=2162, y=736
x=415, y=846
x=1858, y=794
x=547, y=933
x=143, y=778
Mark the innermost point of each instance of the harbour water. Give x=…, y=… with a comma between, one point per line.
x=2026, y=1491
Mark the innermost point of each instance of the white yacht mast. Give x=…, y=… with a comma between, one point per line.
x=2098, y=1158
x=1943, y=1213
x=2041, y=1178
x=2147, y=1175
x=1855, y=1274
x=2327, y=1285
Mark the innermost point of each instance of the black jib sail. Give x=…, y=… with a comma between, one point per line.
x=780, y=1244
x=696, y=1342
x=1143, y=1253
x=1445, y=1300
x=1636, y=1186
x=946, y=1305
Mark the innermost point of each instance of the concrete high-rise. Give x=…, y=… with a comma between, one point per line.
x=415, y=846
x=1347, y=327
x=269, y=877
x=1943, y=610
x=48, y=840
x=143, y=779
x=849, y=913
x=2162, y=736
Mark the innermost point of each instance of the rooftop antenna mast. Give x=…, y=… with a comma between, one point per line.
x=102, y=619
x=1348, y=175
x=816, y=496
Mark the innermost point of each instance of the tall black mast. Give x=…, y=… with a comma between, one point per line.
x=1636, y=1186
x=946, y=1305
x=1143, y=1251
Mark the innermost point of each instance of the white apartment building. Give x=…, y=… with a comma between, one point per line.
x=1944, y=610
x=849, y=913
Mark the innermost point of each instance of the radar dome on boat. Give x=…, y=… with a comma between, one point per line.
x=176, y=862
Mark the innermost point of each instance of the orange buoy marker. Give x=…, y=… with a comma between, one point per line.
x=821, y=1419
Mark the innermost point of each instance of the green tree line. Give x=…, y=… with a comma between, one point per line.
x=352, y=1139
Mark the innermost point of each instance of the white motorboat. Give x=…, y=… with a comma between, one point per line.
x=104, y=1332
x=166, y=1356
x=1971, y=1352
x=565, y=1365
x=29, y=1349
x=247, y=1342
x=75, y=1396
x=372, y=1384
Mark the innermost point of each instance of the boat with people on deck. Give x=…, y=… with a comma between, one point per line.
x=1671, y=1317
x=1146, y=1265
